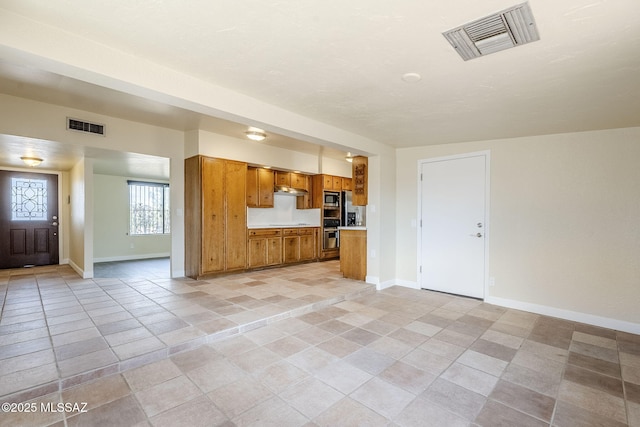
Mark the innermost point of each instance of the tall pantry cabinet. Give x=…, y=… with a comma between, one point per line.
x=215, y=216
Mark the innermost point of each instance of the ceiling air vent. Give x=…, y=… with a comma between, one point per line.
x=79, y=125
x=510, y=28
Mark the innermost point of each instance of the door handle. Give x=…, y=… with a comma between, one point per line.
x=54, y=223
x=476, y=235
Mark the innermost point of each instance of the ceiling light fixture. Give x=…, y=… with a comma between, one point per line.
x=349, y=158
x=256, y=134
x=31, y=161
x=411, y=77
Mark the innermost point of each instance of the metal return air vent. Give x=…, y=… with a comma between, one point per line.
x=503, y=30
x=79, y=125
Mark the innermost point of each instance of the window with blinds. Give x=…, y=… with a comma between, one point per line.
x=148, y=208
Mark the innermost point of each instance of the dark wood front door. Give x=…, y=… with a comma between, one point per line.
x=28, y=219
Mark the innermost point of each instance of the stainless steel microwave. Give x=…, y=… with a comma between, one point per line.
x=332, y=199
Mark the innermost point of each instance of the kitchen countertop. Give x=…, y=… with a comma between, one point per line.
x=353, y=227
x=282, y=226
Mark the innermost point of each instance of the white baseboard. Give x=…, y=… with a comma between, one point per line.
x=131, y=257
x=407, y=284
x=590, y=319
x=604, y=322
x=77, y=269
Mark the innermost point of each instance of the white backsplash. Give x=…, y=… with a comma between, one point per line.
x=284, y=212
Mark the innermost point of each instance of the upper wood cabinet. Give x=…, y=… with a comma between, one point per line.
x=360, y=190
x=306, y=201
x=346, y=184
x=260, y=184
x=215, y=215
x=331, y=182
x=298, y=180
x=328, y=183
x=283, y=178
x=337, y=183
x=291, y=179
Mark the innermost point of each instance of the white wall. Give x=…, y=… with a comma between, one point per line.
x=564, y=235
x=259, y=153
x=284, y=211
x=111, y=239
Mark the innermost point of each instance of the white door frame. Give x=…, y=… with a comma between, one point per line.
x=61, y=216
x=487, y=210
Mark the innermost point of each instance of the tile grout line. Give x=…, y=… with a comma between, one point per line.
x=166, y=352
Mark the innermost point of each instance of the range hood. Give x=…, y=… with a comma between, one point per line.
x=289, y=191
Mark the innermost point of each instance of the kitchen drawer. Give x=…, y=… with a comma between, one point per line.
x=264, y=232
x=290, y=232
x=305, y=231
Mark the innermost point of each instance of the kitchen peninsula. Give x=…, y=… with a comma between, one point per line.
x=353, y=252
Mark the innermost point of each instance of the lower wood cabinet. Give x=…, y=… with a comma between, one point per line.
x=299, y=244
x=274, y=246
x=264, y=247
x=353, y=253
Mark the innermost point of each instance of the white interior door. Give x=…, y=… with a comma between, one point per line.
x=453, y=209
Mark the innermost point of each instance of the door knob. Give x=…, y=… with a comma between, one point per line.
x=475, y=235
x=55, y=224
x=479, y=225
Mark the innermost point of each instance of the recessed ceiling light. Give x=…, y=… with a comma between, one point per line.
x=411, y=77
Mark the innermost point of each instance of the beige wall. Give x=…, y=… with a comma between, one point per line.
x=564, y=234
x=38, y=120
x=111, y=239
x=79, y=255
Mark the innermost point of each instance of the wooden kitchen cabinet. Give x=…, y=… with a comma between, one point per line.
x=260, y=183
x=323, y=183
x=275, y=246
x=291, y=248
x=308, y=243
x=306, y=201
x=215, y=216
x=337, y=183
x=283, y=178
x=298, y=180
x=346, y=184
x=333, y=183
x=360, y=184
x=291, y=179
x=264, y=247
x=353, y=253
x=299, y=244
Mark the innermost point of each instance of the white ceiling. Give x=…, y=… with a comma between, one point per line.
x=341, y=63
